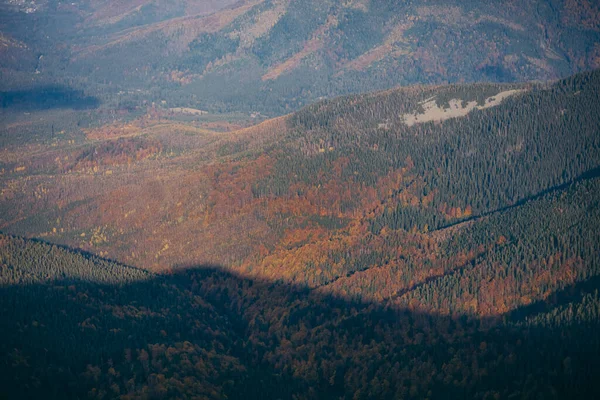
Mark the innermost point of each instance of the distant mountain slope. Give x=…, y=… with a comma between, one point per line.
x=278, y=55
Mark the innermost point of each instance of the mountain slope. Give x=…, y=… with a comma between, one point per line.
x=204, y=332
x=273, y=56
x=341, y=186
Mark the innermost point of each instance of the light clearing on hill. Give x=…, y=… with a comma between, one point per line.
x=457, y=108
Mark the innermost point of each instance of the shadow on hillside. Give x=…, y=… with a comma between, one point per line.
x=46, y=98
x=588, y=175
x=572, y=293
x=208, y=332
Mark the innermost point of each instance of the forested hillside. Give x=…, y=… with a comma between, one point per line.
x=420, y=242
x=299, y=199
x=274, y=56
x=518, y=321
x=312, y=197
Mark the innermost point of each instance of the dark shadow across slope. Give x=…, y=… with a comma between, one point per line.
x=209, y=333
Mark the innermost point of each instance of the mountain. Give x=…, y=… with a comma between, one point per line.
x=526, y=311
x=341, y=178
x=204, y=199
x=278, y=55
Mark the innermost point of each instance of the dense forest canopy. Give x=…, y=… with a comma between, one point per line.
x=204, y=332
x=423, y=242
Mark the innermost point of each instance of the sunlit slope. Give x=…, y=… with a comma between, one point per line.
x=312, y=196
